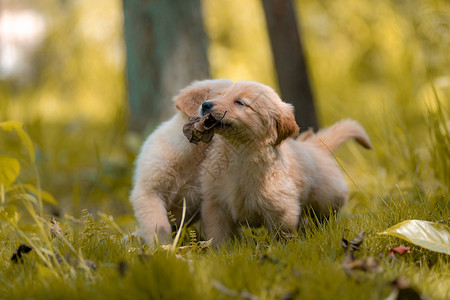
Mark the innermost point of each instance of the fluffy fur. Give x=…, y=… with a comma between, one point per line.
x=255, y=173
x=167, y=168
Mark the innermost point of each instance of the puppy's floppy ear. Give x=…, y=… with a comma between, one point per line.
x=190, y=99
x=285, y=123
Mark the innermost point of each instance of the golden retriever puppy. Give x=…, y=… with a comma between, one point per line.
x=255, y=173
x=167, y=168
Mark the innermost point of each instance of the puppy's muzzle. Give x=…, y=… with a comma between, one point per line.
x=206, y=107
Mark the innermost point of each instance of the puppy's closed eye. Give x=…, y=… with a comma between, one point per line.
x=238, y=101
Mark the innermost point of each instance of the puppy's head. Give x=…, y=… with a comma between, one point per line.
x=191, y=97
x=252, y=111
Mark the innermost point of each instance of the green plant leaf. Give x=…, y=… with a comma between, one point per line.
x=21, y=189
x=46, y=197
x=9, y=170
x=9, y=126
x=429, y=235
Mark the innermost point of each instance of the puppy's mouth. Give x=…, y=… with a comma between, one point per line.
x=202, y=129
x=210, y=121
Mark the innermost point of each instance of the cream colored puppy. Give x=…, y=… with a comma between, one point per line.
x=255, y=173
x=167, y=168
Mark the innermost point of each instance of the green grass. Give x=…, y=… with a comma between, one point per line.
x=307, y=266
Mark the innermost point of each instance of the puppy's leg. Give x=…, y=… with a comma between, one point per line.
x=290, y=219
x=151, y=213
x=217, y=222
x=287, y=223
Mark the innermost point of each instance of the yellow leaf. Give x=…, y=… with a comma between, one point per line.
x=9, y=170
x=429, y=235
x=23, y=136
x=10, y=125
x=47, y=197
x=26, y=141
x=30, y=193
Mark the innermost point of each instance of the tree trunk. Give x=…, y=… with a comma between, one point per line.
x=166, y=50
x=289, y=60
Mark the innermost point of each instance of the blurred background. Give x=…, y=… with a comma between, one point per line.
x=64, y=66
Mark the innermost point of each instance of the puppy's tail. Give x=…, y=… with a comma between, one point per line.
x=332, y=137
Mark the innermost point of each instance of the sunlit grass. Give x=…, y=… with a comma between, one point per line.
x=306, y=266
x=309, y=266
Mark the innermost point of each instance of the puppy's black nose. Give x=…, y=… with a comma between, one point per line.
x=206, y=106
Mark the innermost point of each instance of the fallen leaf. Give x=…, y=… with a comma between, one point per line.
x=429, y=235
x=353, y=245
x=17, y=256
x=400, y=250
x=370, y=264
x=350, y=263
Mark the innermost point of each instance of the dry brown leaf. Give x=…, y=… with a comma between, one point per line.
x=200, y=129
x=353, y=245
x=400, y=250
x=370, y=264
x=17, y=256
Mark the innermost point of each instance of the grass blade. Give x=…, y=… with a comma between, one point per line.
x=180, y=229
